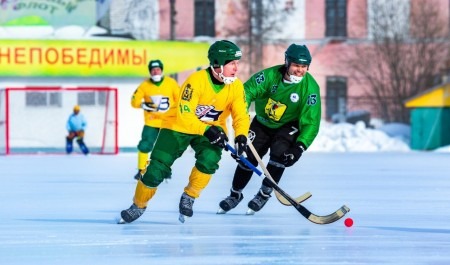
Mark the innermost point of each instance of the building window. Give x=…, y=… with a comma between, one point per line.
x=86, y=98
x=204, y=13
x=336, y=98
x=56, y=98
x=43, y=99
x=388, y=19
x=36, y=99
x=336, y=18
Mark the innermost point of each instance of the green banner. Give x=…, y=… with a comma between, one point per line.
x=55, y=13
x=71, y=58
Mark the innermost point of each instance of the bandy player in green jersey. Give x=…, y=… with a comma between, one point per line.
x=288, y=114
x=208, y=97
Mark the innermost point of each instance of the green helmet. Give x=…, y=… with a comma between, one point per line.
x=155, y=63
x=297, y=54
x=223, y=51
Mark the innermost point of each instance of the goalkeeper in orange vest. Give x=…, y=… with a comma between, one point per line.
x=157, y=97
x=208, y=98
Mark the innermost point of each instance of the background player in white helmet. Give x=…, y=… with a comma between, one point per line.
x=208, y=98
x=156, y=96
x=288, y=114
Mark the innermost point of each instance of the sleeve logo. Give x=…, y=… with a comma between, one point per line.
x=187, y=93
x=259, y=78
x=312, y=100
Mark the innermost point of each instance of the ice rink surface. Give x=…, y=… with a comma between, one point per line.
x=63, y=210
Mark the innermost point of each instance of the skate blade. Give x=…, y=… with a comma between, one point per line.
x=250, y=212
x=182, y=218
x=221, y=211
x=121, y=221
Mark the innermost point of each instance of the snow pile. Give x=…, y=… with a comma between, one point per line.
x=346, y=137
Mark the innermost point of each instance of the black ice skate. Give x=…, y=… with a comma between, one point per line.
x=131, y=214
x=259, y=200
x=230, y=202
x=186, y=203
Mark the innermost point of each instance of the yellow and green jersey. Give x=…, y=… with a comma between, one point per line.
x=163, y=94
x=203, y=103
x=278, y=103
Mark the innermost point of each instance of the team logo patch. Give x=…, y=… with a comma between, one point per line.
x=294, y=97
x=187, y=93
x=251, y=135
x=207, y=113
x=275, y=109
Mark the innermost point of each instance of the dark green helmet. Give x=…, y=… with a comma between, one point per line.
x=297, y=54
x=223, y=51
x=155, y=63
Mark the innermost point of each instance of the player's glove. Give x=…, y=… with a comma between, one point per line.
x=240, y=145
x=216, y=137
x=293, y=154
x=149, y=106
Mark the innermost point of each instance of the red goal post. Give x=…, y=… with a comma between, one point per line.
x=33, y=119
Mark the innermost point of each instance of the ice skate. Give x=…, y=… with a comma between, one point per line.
x=138, y=175
x=258, y=202
x=230, y=202
x=186, y=203
x=131, y=214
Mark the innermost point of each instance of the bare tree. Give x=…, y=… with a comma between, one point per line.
x=257, y=21
x=403, y=55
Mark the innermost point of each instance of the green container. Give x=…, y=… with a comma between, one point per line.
x=430, y=128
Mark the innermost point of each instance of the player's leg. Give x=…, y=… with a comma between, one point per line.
x=81, y=144
x=69, y=142
x=281, y=141
x=207, y=162
x=242, y=174
x=145, y=146
x=167, y=149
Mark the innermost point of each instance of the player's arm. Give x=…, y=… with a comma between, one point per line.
x=176, y=90
x=239, y=113
x=255, y=87
x=311, y=113
x=68, y=123
x=137, y=97
x=83, y=123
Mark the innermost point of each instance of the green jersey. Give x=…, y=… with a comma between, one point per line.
x=278, y=103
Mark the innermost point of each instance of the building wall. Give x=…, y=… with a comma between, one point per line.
x=307, y=25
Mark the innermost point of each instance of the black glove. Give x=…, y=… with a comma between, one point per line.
x=240, y=145
x=293, y=154
x=216, y=137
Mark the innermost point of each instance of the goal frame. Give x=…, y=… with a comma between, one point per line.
x=110, y=118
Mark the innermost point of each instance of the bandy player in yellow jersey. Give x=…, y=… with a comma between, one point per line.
x=157, y=97
x=208, y=98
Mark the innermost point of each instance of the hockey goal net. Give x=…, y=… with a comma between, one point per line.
x=33, y=119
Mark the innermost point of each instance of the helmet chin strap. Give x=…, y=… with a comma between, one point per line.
x=295, y=79
x=226, y=80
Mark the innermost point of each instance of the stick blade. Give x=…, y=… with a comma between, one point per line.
x=331, y=218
